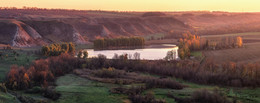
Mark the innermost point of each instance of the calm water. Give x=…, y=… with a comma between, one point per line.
x=153, y=52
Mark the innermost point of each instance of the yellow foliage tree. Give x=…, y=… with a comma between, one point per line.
x=239, y=42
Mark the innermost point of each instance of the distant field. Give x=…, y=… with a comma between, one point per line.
x=234, y=34
x=249, y=53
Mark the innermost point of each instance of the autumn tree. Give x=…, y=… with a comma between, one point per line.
x=239, y=41
x=58, y=48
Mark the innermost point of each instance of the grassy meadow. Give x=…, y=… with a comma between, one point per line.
x=248, y=54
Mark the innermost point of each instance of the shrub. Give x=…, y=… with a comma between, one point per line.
x=202, y=96
x=3, y=88
x=148, y=98
x=129, y=91
x=51, y=93
x=162, y=83
x=35, y=89
x=134, y=94
x=109, y=73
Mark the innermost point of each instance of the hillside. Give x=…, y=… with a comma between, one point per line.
x=32, y=27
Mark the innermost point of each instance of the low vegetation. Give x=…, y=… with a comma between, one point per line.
x=203, y=96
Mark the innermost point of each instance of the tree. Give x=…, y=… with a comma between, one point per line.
x=181, y=54
x=72, y=48
x=239, y=41
x=45, y=50
x=80, y=54
x=137, y=56
x=85, y=54
x=171, y=55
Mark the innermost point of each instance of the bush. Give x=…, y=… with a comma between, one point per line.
x=3, y=88
x=202, y=96
x=162, y=83
x=35, y=89
x=134, y=94
x=129, y=91
x=109, y=73
x=148, y=98
x=51, y=93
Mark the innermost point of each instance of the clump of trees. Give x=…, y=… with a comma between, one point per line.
x=122, y=42
x=42, y=72
x=190, y=42
x=187, y=43
x=223, y=43
x=171, y=55
x=58, y=48
x=82, y=54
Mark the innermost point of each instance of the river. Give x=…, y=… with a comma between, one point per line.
x=152, y=52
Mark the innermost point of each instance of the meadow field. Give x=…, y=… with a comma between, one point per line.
x=248, y=54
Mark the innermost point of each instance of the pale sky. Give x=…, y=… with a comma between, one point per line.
x=141, y=5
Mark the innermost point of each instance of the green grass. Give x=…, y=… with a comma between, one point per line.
x=246, y=95
x=9, y=59
x=84, y=46
x=75, y=89
x=6, y=98
x=154, y=36
x=197, y=54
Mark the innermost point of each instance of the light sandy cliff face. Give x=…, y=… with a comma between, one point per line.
x=18, y=34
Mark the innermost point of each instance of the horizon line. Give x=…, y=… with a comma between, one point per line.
x=26, y=7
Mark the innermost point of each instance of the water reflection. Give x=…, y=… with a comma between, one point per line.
x=152, y=52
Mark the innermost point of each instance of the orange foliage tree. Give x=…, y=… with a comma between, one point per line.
x=42, y=72
x=239, y=41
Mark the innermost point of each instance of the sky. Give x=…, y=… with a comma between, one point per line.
x=141, y=5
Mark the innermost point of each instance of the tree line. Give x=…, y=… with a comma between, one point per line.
x=190, y=42
x=58, y=48
x=44, y=71
x=122, y=42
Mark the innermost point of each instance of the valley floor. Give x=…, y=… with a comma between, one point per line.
x=77, y=89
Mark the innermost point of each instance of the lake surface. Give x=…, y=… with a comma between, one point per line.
x=152, y=52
